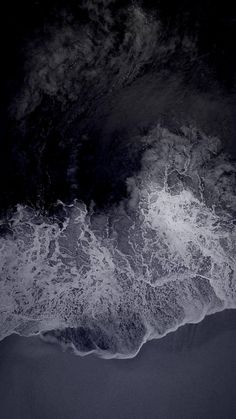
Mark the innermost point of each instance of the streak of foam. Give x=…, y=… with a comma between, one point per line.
x=107, y=283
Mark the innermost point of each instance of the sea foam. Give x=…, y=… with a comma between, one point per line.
x=106, y=282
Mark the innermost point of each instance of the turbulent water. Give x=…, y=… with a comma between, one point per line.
x=107, y=281
x=117, y=194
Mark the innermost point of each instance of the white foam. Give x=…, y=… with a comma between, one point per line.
x=163, y=258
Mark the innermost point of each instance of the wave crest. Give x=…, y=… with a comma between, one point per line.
x=108, y=282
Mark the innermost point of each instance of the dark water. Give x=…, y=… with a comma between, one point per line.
x=67, y=64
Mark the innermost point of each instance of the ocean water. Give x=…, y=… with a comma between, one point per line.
x=117, y=177
x=108, y=281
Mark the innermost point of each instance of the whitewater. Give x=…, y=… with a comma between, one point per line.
x=107, y=281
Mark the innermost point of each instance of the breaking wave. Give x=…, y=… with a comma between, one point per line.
x=107, y=282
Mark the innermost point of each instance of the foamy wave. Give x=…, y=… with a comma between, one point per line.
x=108, y=282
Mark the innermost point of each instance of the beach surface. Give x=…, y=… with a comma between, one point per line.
x=187, y=374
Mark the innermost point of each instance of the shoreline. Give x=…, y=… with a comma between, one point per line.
x=106, y=355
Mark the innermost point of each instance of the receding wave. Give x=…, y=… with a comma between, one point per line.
x=108, y=281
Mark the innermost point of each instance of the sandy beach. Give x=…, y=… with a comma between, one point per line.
x=188, y=374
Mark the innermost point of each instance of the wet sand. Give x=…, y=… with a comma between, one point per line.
x=188, y=374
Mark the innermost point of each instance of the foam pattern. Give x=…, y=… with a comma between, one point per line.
x=107, y=282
